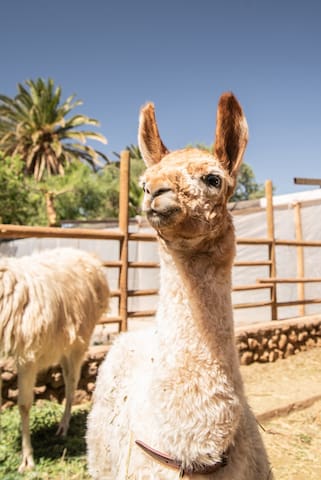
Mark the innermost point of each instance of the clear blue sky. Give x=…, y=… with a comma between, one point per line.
x=116, y=55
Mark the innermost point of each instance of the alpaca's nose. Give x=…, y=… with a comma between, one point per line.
x=159, y=197
x=157, y=190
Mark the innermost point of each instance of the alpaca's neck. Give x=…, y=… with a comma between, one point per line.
x=196, y=363
x=195, y=299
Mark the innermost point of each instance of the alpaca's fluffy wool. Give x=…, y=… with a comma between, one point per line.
x=49, y=301
x=178, y=388
x=49, y=304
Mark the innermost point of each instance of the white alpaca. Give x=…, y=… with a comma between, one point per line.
x=50, y=303
x=170, y=402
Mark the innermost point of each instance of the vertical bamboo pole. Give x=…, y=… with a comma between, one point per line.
x=123, y=226
x=300, y=254
x=271, y=236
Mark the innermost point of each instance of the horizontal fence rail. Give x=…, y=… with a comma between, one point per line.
x=22, y=231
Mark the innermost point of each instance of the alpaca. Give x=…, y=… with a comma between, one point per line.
x=50, y=303
x=170, y=402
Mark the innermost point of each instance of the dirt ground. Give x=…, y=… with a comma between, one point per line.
x=286, y=398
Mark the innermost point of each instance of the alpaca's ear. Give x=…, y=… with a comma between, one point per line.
x=149, y=141
x=231, y=134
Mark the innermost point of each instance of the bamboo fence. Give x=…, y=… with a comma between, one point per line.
x=123, y=236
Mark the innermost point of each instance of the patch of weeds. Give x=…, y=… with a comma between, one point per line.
x=306, y=439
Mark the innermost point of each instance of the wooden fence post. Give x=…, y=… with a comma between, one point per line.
x=271, y=237
x=123, y=226
x=300, y=255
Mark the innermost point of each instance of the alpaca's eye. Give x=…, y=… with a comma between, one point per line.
x=213, y=180
x=143, y=185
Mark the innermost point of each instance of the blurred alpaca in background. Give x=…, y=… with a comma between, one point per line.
x=50, y=303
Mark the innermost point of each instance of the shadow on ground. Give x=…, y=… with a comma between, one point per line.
x=51, y=446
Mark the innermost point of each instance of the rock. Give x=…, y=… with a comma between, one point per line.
x=264, y=357
x=303, y=336
x=8, y=376
x=80, y=397
x=293, y=337
x=241, y=338
x=90, y=387
x=92, y=369
x=264, y=342
x=242, y=346
x=282, y=341
x=289, y=350
x=40, y=390
x=13, y=394
x=310, y=342
x=56, y=380
x=272, y=344
x=280, y=353
x=273, y=356
x=253, y=343
x=246, y=358
x=53, y=395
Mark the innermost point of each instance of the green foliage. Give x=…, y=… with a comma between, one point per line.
x=247, y=188
x=56, y=457
x=17, y=204
x=81, y=194
x=37, y=125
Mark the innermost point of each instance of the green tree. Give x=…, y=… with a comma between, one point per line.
x=247, y=188
x=17, y=204
x=81, y=194
x=36, y=125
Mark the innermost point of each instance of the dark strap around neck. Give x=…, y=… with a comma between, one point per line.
x=173, y=463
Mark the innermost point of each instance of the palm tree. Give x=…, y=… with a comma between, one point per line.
x=35, y=125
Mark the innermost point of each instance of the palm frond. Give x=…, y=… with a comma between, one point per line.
x=37, y=124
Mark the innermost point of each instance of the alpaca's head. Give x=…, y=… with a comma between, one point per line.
x=186, y=191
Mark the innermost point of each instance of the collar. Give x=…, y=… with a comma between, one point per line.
x=173, y=463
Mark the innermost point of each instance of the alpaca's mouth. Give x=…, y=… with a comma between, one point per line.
x=161, y=217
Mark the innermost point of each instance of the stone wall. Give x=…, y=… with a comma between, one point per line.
x=256, y=343
x=271, y=341
x=50, y=384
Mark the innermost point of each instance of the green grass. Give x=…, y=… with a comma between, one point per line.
x=56, y=458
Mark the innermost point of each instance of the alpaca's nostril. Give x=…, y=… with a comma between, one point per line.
x=161, y=191
x=146, y=188
x=155, y=192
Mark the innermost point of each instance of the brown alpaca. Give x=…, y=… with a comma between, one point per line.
x=171, y=401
